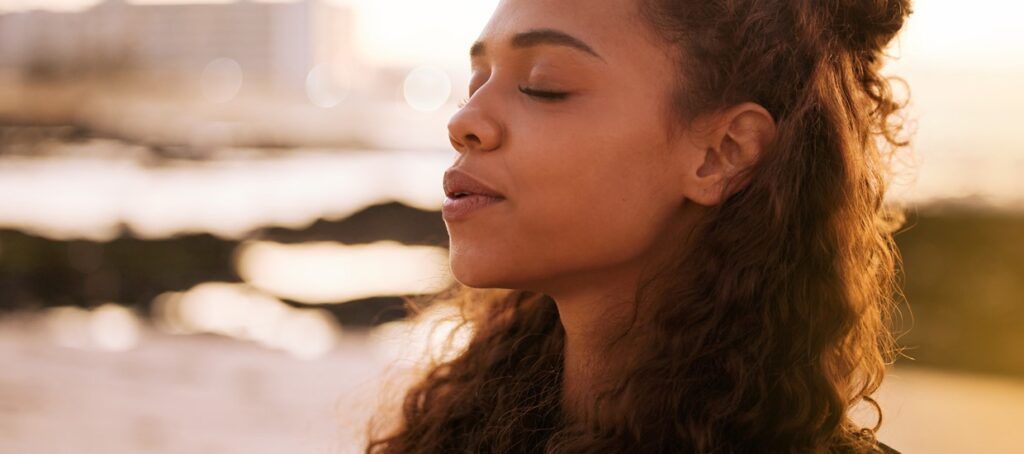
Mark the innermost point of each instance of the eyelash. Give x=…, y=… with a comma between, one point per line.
x=544, y=95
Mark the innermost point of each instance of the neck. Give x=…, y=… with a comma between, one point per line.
x=602, y=326
x=597, y=342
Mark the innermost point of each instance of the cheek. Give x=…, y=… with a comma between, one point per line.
x=596, y=215
x=597, y=204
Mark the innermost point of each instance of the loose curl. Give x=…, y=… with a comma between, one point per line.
x=776, y=321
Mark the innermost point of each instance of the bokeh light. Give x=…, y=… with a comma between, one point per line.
x=221, y=80
x=427, y=88
x=319, y=272
x=114, y=327
x=322, y=87
x=108, y=327
x=242, y=312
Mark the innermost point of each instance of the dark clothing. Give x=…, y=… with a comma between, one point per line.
x=886, y=449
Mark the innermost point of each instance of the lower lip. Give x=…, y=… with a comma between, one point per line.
x=460, y=208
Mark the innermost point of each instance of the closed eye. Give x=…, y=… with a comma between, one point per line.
x=544, y=95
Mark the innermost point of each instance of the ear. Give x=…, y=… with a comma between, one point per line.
x=731, y=141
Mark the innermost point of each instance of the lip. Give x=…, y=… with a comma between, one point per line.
x=458, y=209
x=465, y=195
x=457, y=181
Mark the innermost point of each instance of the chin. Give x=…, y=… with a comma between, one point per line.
x=482, y=270
x=488, y=264
x=492, y=274
x=475, y=275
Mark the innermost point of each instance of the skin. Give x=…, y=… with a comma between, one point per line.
x=595, y=188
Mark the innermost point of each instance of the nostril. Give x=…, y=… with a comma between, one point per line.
x=456, y=143
x=472, y=138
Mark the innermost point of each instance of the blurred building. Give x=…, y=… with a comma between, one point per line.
x=275, y=42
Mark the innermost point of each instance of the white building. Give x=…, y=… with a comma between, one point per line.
x=275, y=42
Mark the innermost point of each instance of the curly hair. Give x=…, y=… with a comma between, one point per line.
x=777, y=321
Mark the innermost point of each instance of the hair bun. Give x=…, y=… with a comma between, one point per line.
x=869, y=25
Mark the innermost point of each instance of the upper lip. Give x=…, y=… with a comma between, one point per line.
x=457, y=181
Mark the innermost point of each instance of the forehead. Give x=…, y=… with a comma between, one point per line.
x=612, y=28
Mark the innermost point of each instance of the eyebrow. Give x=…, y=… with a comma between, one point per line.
x=537, y=37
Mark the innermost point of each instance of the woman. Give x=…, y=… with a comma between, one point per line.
x=667, y=225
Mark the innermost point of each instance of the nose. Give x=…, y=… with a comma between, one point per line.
x=471, y=128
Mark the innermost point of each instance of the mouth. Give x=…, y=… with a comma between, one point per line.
x=459, y=184
x=462, y=205
x=462, y=195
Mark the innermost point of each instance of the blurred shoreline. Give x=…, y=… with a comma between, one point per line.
x=175, y=394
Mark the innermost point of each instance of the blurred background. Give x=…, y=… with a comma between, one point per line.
x=209, y=210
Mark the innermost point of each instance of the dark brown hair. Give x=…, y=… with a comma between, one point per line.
x=777, y=321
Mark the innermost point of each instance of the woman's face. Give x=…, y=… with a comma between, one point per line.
x=566, y=119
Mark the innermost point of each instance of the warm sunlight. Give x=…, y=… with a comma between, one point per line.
x=258, y=222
